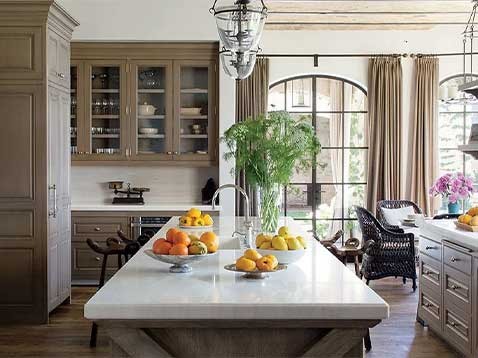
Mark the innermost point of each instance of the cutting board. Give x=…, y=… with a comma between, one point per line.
x=466, y=227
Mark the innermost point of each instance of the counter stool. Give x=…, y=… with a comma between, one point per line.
x=114, y=246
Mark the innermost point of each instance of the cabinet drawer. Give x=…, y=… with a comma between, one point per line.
x=430, y=308
x=457, y=259
x=457, y=289
x=98, y=227
x=457, y=329
x=430, y=272
x=86, y=264
x=430, y=248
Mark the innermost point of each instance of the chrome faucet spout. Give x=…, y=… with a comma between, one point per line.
x=247, y=219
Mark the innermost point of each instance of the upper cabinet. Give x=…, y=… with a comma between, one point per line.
x=146, y=103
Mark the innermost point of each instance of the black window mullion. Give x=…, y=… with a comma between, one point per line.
x=314, y=168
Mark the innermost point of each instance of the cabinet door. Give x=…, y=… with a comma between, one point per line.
x=58, y=59
x=79, y=127
x=151, y=122
x=195, y=136
x=59, y=232
x=105, y=110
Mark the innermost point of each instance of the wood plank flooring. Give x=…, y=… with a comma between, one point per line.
x=67, y=335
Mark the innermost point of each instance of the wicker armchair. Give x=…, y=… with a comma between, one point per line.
x=394, y=204
x=386, y=253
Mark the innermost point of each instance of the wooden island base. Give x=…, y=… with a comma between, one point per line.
x=236, y=338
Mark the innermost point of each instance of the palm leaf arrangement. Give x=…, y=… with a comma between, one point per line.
x=269, y=149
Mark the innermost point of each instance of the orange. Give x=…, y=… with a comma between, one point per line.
x=245, y=264
x=161, y=247
x=179, y=249
x=211, y=241
x=170, y=234
x=181, y=238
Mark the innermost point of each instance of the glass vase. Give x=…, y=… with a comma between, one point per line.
x=270, y=198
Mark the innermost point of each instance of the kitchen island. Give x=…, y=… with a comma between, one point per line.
x=315, y=308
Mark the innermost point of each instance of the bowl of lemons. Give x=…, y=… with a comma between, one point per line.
x=286, y=247
x=195, y=219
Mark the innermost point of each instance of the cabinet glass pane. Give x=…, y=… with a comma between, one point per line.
x=194, y=116
x=73, y=111
x=151, y=120
x=105, y=110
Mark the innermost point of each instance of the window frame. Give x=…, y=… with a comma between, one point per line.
x=316, y=186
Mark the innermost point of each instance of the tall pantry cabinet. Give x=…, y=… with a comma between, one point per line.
x=34, y=152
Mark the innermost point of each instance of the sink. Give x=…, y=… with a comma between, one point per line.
x=231, y=243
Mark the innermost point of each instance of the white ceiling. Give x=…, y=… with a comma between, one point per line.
x=371, y=14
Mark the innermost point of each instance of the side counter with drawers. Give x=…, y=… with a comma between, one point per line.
x=448, y=281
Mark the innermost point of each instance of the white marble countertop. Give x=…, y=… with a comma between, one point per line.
x=317, y=287
x=146, y=207
x=446, y=230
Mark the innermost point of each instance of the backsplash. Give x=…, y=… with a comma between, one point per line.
x=89, y=185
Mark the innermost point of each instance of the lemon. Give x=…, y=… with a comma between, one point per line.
x=279, y=243
x=252, y=254
x=474, y=221
x=294, y=244
x=194, y=213
x=266, y=245
x=302, y=241
x=185, y=221
x=466, y=219
x=198, y=222
x=193, y=237
x=284, y=231
x=261, y=238
x=207, y=220
x=245, y=264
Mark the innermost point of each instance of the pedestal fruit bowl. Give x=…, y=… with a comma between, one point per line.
x=255, y=266
x=181, y=249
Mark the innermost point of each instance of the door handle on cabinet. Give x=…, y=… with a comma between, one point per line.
x=97, y=229
x=431, y=248
x=176, y=153
x=61, y=75
x=455, y=287
x=55, y=207
x=97, y=258
x=454, y=259
x=427, y=304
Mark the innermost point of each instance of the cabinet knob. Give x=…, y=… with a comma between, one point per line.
x=454, y=259
x=97, y=229
x=61, y=75
x=176, y=153
x=169, y=153
x=426, y=272
x=97, y=258
x=427, y=304
x=455, y=287
x=453, y=324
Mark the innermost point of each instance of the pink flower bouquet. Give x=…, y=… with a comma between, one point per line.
x=453, y=186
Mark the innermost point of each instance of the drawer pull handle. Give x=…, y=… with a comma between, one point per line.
x=431, y=248
x=97, y=258
x=455, y=287
x=97, y=229
x=61, y=75
x=427, y=304
x=454, y=259
x=454, y=324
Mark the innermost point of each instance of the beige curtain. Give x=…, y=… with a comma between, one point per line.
x=424, y=154
x=385, y=118
x=251, y=101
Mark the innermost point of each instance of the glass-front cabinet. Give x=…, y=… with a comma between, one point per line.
x=194, y=125
x=106, y=110
x=144, y=108
x=151, y=111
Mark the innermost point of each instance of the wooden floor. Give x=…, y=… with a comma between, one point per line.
x=67, y=335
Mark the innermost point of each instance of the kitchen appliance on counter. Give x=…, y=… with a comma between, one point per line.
x=142, y=224
x=131, y=196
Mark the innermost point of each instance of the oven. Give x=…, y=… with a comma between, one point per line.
x=142, y=224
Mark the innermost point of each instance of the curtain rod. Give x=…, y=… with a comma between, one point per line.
x=404, y=55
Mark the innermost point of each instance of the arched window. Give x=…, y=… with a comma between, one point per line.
x=454, y=124
x=322, y=198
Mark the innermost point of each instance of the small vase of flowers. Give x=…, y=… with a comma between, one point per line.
x=455, y=187
x=268, y=149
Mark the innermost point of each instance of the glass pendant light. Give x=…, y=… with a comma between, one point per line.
x=240, y=24
x=238, y=65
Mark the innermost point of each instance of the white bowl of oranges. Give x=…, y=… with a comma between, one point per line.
x=180, y=249
x=285, y=246
x=194, y=219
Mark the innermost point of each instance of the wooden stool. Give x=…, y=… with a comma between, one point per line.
x=114, y=247
x=345, y=252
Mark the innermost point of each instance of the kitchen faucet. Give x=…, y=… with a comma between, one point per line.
x=247, y=219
